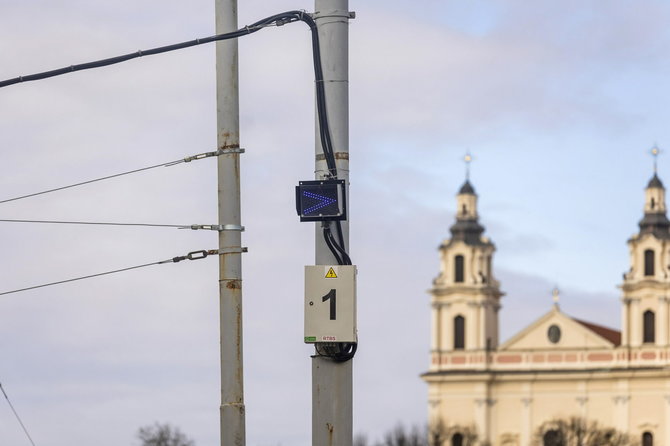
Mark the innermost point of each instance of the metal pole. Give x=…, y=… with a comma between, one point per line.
x=230, y=262
x=332, y=384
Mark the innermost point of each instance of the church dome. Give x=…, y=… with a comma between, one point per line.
x=467, y=188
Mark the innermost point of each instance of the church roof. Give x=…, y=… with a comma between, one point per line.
x=467, y=188
x=610, y=334
x=468, y=231
x=575, y=334
x=655, y=182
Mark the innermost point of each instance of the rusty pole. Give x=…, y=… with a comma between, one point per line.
x=332, y=382
x=230, y=261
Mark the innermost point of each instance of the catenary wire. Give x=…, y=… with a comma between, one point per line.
x=116, y=175
x=17, y=415
x=195, y=255
x=12, y=220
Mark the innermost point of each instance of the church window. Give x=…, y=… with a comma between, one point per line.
x=647, y=439
x=459, y=269
x=649, y=329
x=649, y=262
x=459, y=333
x=554, y=334
x=653, y=203
x=552, y=438
x=465, y=210
x=457, y=439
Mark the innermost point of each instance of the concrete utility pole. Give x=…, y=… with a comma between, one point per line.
x=332, y=383
x=230, y=261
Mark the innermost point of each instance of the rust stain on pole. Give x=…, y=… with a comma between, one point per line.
x=233, y=284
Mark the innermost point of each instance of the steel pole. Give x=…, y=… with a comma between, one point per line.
x=230, y=261
x=332, y=383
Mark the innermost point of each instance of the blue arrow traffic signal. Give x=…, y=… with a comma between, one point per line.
x=321, y=200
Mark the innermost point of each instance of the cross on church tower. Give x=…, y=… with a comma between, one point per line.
x=467, y=159
x=655, y=151
x=555, y=296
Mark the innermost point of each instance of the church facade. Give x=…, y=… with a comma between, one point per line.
x=559, y=366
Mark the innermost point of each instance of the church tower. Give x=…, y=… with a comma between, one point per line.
x=465, y=295
x=646, y=285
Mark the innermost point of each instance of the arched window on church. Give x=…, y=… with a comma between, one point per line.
x=457, y=439
x=552, y=438
x=649, y=326
x=653, y=203
x=459, y=332
x=459, y=268
x=647, y=439
x=649, y=262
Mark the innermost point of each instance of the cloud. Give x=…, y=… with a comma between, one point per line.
x=554, y=100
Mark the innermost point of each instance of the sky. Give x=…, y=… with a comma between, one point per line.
x=558, y=102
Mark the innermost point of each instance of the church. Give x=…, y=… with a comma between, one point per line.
x=558, y=367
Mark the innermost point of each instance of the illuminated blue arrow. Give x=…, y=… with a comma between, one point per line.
x=322, y=201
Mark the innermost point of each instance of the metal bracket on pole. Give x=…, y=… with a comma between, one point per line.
x=219, y=227
x=230, y=150
x=324, y=14
x=233, y=250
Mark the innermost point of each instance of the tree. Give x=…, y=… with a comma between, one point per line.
x=163, y=435
x=442, y=434
x=401, y=437
x=437, y=434
x=576, y=431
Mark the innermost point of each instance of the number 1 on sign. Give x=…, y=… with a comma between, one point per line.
x=332, y=296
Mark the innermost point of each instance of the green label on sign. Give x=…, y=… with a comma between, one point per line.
x=310, y=338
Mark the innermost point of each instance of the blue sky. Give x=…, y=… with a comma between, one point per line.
x=558, y=102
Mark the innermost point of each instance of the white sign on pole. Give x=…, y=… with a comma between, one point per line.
x=330, y=303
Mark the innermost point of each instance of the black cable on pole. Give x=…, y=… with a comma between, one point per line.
x=194, y=255
x=17, y=415
x=328, y=238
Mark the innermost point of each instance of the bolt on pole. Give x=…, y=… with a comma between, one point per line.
x=332, y=382
x=232, y=416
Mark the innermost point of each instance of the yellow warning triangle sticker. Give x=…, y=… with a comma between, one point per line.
x=331, y=274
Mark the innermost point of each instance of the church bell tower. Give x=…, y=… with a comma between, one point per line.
x=465, y=295
x=646, y=285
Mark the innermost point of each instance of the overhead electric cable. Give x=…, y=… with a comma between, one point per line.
x=275, y=20
x=167, y=164
x=194, y=255
x=17, y=415
x=10, y=220
x=151, y=225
